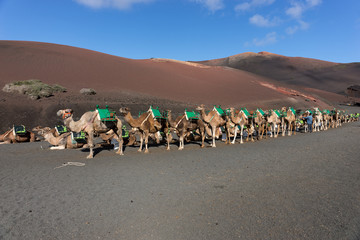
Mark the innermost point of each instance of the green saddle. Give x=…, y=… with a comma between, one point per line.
x=105, y=114
x=292, y=110
x=219, y=110
x=79, y=137
x=259, y=110
x=190, y=115
x=60, y=129
x=246, y=112
x=156, y=113
x=19, y=130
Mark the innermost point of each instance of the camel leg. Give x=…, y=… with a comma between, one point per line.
x=235, y=135
x=213, y=136
x=60, y=147
x=283, y=129
x=141, y=141
x=121, y=143
x=241, y=134
x=168, y=140
x=290, y=129
x=276, y=133
x=202, y=139
x=146, y=142
x=91, y=144
x=181, y=142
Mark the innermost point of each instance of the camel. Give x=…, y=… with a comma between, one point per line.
x=184, y=126
x=289, y=120
x=318, y=120
x=240, y=120
x=91, y=124
x=260, y=123
x=326, y=119
x=334, y=118
x=213, y=119
x=61, y=141
x=145, y=124
x=274, y=120
x=11, y=137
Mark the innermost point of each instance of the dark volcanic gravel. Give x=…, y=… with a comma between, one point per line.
x=300, y=187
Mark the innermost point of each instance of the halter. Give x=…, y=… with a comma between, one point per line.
x=66, y=114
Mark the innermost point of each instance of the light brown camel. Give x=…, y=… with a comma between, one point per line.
x=260, y=123
x=274, y=120
x=326, y=119
x=184, y=127
x=240, y=120
x=11, y=137
x=289, y=120
x=145, y=124
x=59, y=142
x=213, y=120
x=91, y=124
x=318, y=120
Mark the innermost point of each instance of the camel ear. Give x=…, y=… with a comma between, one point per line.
x=59, y=113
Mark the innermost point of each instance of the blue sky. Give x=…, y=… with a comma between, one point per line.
x=190, y=29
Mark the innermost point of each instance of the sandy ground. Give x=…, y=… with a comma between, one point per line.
x=300, y=187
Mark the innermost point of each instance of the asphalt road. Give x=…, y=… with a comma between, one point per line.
x=300, y=187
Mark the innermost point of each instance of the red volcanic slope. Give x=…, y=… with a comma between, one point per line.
x=76, y=68
x=295, y=71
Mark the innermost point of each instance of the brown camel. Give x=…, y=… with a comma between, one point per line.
x=145, y=124
x=61, y=141
x=11, y=136
x=91, y=124
x=260, y=123
x=213, y=119
x=184, y=126
x=334, y=118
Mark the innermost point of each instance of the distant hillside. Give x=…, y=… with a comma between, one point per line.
x=298, y=71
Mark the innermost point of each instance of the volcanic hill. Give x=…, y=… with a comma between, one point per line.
x=119, y=81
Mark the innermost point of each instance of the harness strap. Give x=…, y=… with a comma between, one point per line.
x=179, y=121
x=7, y=133
x=145, y=118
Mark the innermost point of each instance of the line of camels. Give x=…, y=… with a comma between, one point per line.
x=190, y=126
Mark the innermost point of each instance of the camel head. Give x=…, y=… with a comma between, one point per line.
x=41, y=130
x=65, y=113
x=201, y=107
x=124, y=110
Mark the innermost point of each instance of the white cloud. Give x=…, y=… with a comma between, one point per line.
x=301, y=26
x=212, y=5
x=260, y=21
x=298, y=8
x=120, y=4
x=253, y=3
x=270, y=38
x=313, y=3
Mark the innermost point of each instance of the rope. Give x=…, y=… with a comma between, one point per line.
x=179, y=122
x=145, y=119
x=78, y=164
